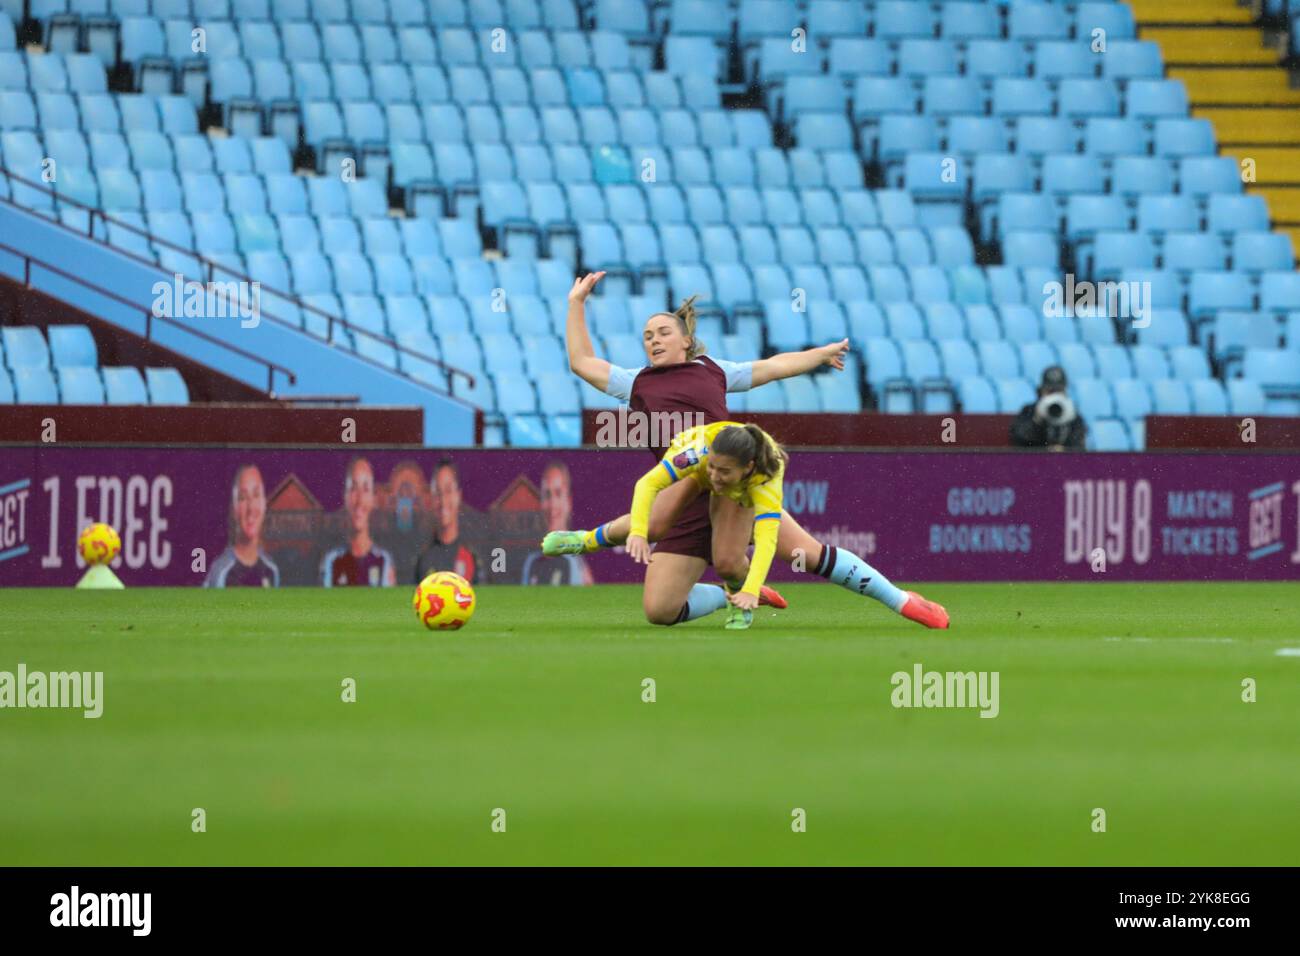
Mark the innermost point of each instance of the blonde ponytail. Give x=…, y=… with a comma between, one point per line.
x=686, y=320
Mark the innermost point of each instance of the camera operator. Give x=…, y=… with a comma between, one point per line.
x=1052, y=421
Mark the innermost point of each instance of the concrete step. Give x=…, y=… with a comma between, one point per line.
x=1266, y=125
x=1182, y=45
x=1257, y=86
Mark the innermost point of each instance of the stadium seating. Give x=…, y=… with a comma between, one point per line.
x=61, y=366
x=513, y=159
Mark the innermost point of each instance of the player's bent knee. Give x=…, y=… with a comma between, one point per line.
x=662, y=615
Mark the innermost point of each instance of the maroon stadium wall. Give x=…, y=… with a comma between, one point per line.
x=920, y=516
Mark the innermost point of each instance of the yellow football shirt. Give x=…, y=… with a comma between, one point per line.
x=687, y=458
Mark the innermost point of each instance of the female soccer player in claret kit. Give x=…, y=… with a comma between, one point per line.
x=680, y=379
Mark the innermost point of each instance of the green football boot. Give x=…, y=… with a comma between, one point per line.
x=564, y=542
x=738, y=619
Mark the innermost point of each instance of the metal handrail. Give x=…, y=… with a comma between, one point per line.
x=149, y=317
x=212, y=266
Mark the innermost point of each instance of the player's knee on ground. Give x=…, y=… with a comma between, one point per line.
x=660, y=613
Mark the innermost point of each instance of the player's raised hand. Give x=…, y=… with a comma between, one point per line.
x=583, y=285
x=833, y=354
x=638, y=548
x=743, y=600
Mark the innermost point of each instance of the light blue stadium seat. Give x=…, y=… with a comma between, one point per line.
x=1184, y=137
x=898, y=398
x=57, y=111
x=969, y=21
x=1227, y=213
x=826, y=321
x=515, y=394
x=564, y=431
x=874, y=96
x=1093, y=397
x=1013, y=394
x=1257, y=251
x=1084, y=98
x=977, y=396
x=998, y=359
x=1131, y=59
x=1188, y=251
x=990, y=58
x=1246, y=397
x=1188, y=362
x=952, y=96
x=838, y=392
x=124, y=386
x=898, y=20
x=973, y=135
x=1139, y=175
x=1207, y=175
x=1067, y=173
x=80, y=385
x=1132, y=398
x=1171, y=397
x=1234, y=332
x=832, y=19
x=35, y=385
x=883, y=361
x=802, y=395
x=256, y=232
x=1059, y=59
x=1149, y=362
x=1108, y=434
x=1077, y=360
x=959, y=359
x=1153, y=99
x=24, y=347
x=71, y=345
x=1211, y=291
x=1116, y=251
x=1025, y=248
x=1111, y=136
x=1015, y=96
x=1208, y=397
x=1167, y=213
x=13, y=76
x=1273, y=368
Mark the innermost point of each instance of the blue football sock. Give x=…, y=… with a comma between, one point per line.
x=703, y=599
x=852, y=573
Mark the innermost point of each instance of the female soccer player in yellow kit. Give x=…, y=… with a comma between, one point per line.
x=727, y=460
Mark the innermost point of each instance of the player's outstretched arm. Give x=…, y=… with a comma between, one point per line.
x=790, y=364
x=582, y=357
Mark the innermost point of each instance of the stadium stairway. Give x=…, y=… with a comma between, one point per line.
x=102, y=280
x=1237, y=81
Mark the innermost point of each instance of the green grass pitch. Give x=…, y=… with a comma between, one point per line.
x=1122, y=697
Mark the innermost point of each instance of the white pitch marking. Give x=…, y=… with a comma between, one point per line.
x=1193, y=640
